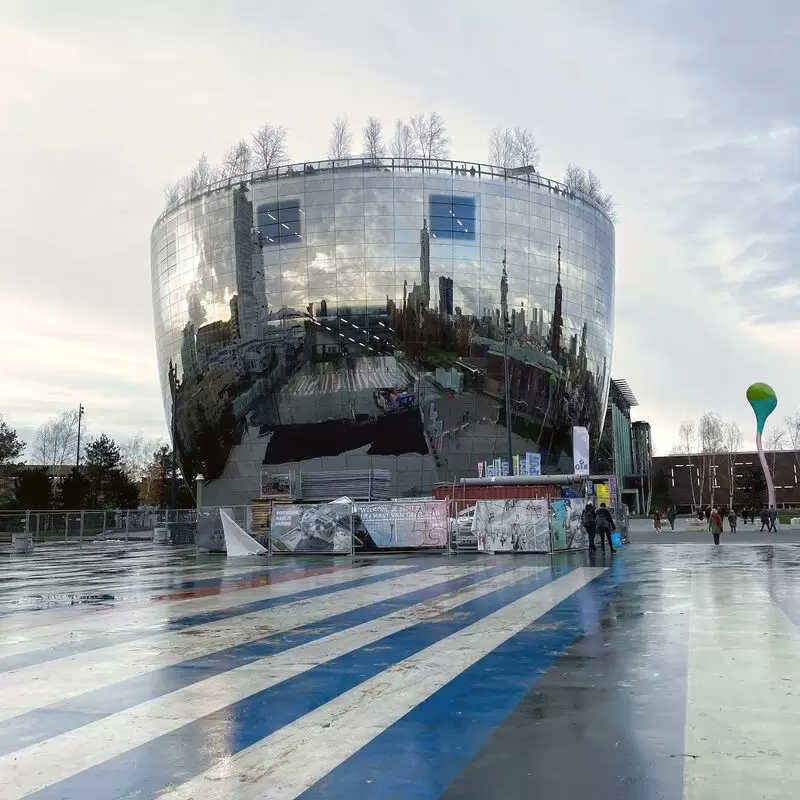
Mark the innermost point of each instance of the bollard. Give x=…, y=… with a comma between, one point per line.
x=105, y=524
x=66, y=527
x=28, y=521
x=38, y=516
x=83, y=522
x=127, y=524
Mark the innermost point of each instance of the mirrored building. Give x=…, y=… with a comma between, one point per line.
x=336, y=317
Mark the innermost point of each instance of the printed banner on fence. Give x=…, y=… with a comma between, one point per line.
x=401, y=524
x=301, y=528
x=566, y=525
x=533, y=463
x=512, y=525
x=603, y=495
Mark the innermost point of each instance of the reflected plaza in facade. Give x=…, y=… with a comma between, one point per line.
x=349, y=316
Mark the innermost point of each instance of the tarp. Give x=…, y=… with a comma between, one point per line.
x=237, y=541
x=520, y=526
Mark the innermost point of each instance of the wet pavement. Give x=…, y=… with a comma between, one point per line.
x=665, y=671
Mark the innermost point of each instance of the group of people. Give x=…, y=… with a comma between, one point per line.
x=598, y=522
x=714, y=516
x=768, y=517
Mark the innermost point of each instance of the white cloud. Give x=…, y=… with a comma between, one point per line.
x=693, y=126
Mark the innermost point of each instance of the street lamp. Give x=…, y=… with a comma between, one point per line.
x=80, y=417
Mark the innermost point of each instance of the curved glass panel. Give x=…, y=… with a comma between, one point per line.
x=351, y=317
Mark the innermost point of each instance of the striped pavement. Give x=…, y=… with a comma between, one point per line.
x=218, y=680
x=662, y=672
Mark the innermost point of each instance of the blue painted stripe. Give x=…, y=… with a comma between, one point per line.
x=423, y=752
x=58, y=718
x=34, y=657
x=147, y=770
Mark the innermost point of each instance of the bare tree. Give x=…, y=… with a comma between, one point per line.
x=502, y=148
x=577, y=180
x=57, y=440
x=526, y=149
x=372, y=138
x=136, y=454
x=269, y=146
x=774, y=441
x=685, y=446
x=201, y=174
x=731, y=442
x=237, y=159
x=403, y=144
x=341, y=141
x=431, y=135
x=172, y=194
x=793, y=433
x=710, y=433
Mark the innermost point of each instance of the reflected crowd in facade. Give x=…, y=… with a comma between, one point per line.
x=350, y=316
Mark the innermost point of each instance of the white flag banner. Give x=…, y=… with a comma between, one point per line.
x=580, y=450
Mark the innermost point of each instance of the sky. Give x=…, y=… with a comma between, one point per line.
x=689, y=112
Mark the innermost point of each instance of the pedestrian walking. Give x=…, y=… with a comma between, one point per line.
x=657, y=521
x=765, y=520
x=716, y=525
x=732, y=520
x=589, y=524
x=672, y=515
x=773, y=520
x=605, y=526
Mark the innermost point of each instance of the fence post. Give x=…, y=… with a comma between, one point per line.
x=352, y=537
x=66, y=527
x=38, y=517
x=105, y=524
x=127, y=524
x=83, y=522
x=28, y=521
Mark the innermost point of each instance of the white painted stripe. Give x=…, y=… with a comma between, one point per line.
x=294, y=758
x=32, y=768
x=155, y=615
x=34, y=687
x=743, y=704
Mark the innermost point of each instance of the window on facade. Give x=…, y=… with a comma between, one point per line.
x=452, y=216
x=279, y=223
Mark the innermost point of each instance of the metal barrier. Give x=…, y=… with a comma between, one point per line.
x=88, y=526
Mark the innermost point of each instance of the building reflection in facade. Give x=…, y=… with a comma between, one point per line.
x=348, y=316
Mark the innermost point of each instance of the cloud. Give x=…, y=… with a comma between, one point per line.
x=688, y=112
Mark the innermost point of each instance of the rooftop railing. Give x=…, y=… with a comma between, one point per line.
x=434, y=166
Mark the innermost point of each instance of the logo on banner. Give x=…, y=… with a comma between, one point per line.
x=580, y=450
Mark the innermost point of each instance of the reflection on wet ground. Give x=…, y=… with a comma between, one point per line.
x=664, y=671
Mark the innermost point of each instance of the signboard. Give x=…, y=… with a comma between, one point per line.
x=612, y=491
x=520, y=526
x=603, y=495
x=580, y=450
x=567, y=530
x=401, y=524
x=323, y=528
x=533, y=463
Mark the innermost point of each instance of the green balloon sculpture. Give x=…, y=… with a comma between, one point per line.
x=763, y=399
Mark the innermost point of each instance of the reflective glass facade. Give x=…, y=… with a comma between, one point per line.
x=350, y=316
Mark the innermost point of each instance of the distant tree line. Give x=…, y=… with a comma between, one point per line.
x=135, y=473
x=423, y=136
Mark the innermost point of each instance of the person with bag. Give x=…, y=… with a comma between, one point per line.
x=715, y=521
x=605, y=525
x=732, y=520
x=589, y=524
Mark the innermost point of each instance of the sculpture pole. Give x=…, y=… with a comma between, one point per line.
x=763, y=399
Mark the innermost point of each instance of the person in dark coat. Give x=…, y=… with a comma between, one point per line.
x=605, y=526
x=672, y=515
x=589, y=524
x=765, y=520
x=716, y=525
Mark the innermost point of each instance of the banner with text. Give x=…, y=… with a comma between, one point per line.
x=401, y=524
